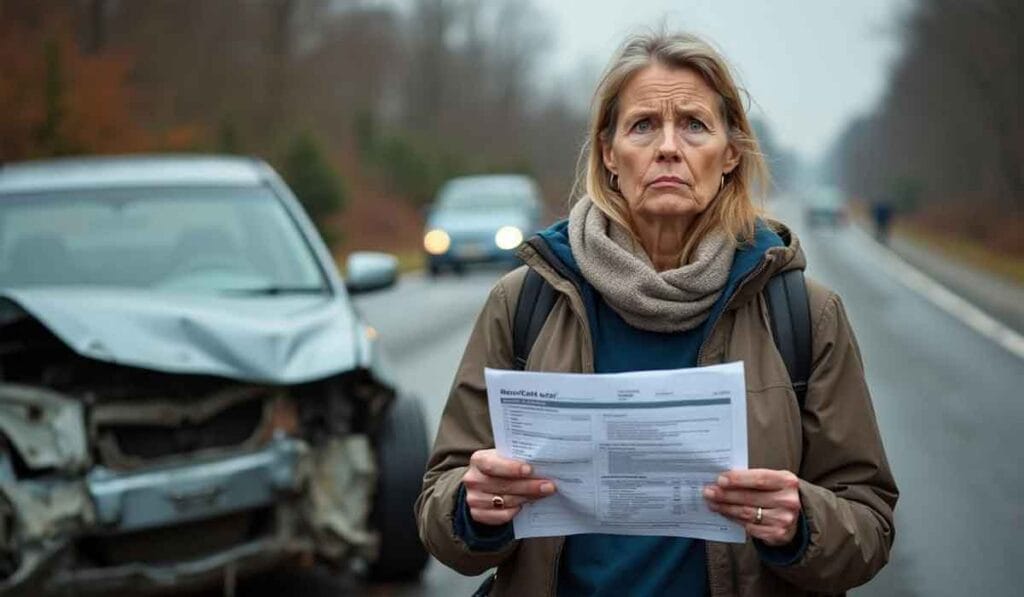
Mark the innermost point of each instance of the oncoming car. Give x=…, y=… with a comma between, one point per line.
x=186, y=392
x=480, y=219
x=824, y=206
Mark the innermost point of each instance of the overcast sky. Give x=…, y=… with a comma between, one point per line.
x=810, y=65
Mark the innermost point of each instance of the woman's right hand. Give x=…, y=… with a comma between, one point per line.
x=490, y=476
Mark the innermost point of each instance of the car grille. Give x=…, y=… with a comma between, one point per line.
x=133, y=434
x=231, y=427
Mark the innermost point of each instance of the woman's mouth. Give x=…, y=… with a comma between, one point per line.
x=668, y=182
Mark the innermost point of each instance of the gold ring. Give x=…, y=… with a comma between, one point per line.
x=759, y=516
x=498, y=502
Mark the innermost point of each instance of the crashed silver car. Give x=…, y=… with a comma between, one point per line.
x=186, y=392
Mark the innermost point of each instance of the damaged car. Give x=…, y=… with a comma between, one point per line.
x=187, y=394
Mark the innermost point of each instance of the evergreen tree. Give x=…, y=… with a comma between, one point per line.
x=313, y=180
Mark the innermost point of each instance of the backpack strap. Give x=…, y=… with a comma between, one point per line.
x=536, y=299
x=789, y=314
x=485, y=588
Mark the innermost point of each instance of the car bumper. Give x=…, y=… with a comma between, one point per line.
x=240, y=560
x=126, y=504
x=825, y=217
x=136, y=501
x=474, y=253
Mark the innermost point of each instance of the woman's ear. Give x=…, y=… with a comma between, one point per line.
x=732, y=159
x=608, y=157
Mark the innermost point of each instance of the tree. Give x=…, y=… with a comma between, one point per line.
x=316, y=184
x=949, y=125
x=54, y=98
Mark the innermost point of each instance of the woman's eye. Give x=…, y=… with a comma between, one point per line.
x=695, y=126
x=642, y=126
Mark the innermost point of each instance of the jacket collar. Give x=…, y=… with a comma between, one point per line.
x=776, y=260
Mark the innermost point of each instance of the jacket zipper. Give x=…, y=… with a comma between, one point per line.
x=733, y=572
x=711, y=569
x=553, y=585
x=700, y=360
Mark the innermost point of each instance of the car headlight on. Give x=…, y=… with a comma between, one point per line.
x=436, y=242
x=508, y=237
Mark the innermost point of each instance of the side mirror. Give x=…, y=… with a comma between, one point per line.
x=366, y=271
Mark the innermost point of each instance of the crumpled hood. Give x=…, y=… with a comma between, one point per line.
x=270, y=339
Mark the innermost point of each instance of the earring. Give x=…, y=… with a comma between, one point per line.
x=613, y=181
x=721, y=185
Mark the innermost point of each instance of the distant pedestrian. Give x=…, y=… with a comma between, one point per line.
x=660, y=265
x=881, y=212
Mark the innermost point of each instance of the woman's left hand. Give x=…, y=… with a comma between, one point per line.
x=739, y=494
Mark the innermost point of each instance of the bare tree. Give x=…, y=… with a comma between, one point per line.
x=949, y=127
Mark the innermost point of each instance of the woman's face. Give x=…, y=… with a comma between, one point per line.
x=670, y=147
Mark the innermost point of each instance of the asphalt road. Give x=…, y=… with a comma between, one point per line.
x=949, y=402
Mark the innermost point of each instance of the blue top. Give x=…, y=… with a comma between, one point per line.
x=598, y=564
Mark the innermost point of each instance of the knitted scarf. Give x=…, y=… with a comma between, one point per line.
x=617, y=266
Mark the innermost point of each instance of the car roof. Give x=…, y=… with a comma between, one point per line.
x=129, y=171
x=517, y=185
x=510, y=182
x=825, y=196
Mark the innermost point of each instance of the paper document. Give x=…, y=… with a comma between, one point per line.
x=630, y=453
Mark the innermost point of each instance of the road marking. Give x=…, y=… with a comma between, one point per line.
x=947, y=300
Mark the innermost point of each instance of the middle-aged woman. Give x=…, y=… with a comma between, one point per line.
x=660, y=265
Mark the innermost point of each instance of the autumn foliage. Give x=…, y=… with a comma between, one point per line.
x=446, y=87
x=57, y=99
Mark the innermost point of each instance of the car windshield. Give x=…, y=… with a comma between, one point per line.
x=484, y=199
x=826, y=197
x=180, y=239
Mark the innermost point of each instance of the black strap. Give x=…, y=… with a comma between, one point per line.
x=484, y=590
x=536, y=299
x=789, y=313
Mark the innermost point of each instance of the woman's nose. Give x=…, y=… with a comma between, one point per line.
x=668, y=149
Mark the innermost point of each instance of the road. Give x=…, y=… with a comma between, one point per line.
x=949, y=402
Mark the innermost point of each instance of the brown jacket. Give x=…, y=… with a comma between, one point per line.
x=847, y=490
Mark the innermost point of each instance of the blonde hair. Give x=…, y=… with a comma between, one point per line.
x=733, y=210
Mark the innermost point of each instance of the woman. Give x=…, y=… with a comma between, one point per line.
x=661, y=265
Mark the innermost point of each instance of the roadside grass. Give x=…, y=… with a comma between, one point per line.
x=943, y=233
x=410, y=261
x=967, y=251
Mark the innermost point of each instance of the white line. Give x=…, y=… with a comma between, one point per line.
x=947, y=300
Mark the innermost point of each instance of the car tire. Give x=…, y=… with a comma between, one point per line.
x=434, y=270
x=402, y=452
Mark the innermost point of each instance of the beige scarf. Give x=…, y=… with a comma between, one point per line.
x=670, y=301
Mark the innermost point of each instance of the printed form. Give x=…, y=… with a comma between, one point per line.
x=629, y=452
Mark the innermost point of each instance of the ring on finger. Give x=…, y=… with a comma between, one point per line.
x=759, y=516
x=497, y=502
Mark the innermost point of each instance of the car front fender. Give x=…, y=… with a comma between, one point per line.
x=47, y=429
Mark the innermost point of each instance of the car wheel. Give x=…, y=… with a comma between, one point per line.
x=402, y=452
x=434, y=270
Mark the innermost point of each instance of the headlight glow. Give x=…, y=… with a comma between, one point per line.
x=508, y=237
x=436, y=242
